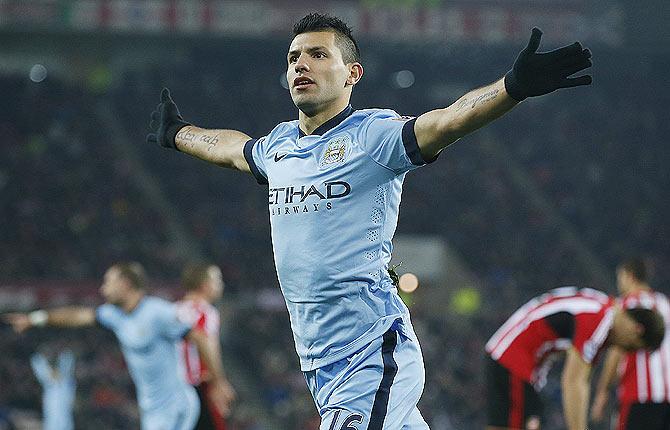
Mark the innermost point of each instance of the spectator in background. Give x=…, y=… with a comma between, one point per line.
x=58, y=385
x=643, y=379
x=204, y=285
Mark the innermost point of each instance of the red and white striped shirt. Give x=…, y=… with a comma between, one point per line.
x=204, y=317
x=552, y=322
x=645, y=376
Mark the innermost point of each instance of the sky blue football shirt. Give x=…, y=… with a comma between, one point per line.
x=58, y=390
x=333, y=200
x=148, y=337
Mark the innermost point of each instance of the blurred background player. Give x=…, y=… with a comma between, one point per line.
x=148, y=329
x=642, y=377
x=581, y=322
x=204, y=286
x=58, y=389
x=335, y=178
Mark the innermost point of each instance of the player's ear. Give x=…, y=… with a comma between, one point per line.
x=639, y=329
x=355, y=74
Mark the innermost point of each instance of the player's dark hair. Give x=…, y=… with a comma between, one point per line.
x=343, y=38
x=636, y=267
x=653, y=324
x=194, y=274
x=134, y=273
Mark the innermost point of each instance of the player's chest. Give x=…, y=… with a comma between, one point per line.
x=312, y=158
x=136, y=335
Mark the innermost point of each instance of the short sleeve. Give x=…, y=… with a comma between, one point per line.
x=170, y=322
x=390, y=140
x=213, y=323
x=107, y=316
x=591, y=333
x=254, y=151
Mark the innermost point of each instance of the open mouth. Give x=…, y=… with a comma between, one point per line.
x=302, y=82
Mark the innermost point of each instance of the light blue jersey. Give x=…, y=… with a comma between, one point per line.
x=148, y=336
x=58, y=390
x=334, y=197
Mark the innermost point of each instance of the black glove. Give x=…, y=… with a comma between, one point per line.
x=536, y=74
x=166, y=121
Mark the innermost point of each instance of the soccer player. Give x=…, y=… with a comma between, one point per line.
x=204, y=286
x=580, y=322
x=148, y=329
x=335, y=177
x=58, y=385
x=643, y=377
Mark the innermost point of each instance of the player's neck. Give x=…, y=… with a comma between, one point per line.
x=639, y=287
x=309, y=123
x=196, y=296
x=132, y=301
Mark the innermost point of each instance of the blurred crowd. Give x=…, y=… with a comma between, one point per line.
x=519, y=201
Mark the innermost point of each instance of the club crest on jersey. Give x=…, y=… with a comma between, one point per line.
x=336, y=151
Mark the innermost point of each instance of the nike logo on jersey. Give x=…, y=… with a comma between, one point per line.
x=279, y=157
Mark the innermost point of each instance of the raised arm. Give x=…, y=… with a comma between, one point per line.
x=66, y=364
x=71, y=316
x=41, y=368
x=533, y=74
x=608, y=375
x=220, y=391
x=575, y=390
x=224, y=148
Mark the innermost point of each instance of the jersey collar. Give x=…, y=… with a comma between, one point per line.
x=331, y=123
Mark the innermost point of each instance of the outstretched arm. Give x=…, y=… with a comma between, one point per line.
x=437, y=129
x=533, y=74
x=575, y=390
x=221, y=147
x=71, y=316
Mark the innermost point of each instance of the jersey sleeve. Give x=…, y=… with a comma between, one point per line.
x=591, y=331
x=389, y=139
x=171, y=323
x=213, y=323
x=107, y=316
x=254, y=153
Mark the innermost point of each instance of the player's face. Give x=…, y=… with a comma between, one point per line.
x=114, y=287
x=214, y=283
x=317, y=76
x=627, y=334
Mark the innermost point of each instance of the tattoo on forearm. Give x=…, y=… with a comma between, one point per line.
x=190, y=139
x=462, y=103
x=210, y=139
x=186, y=135
x=480, y=99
